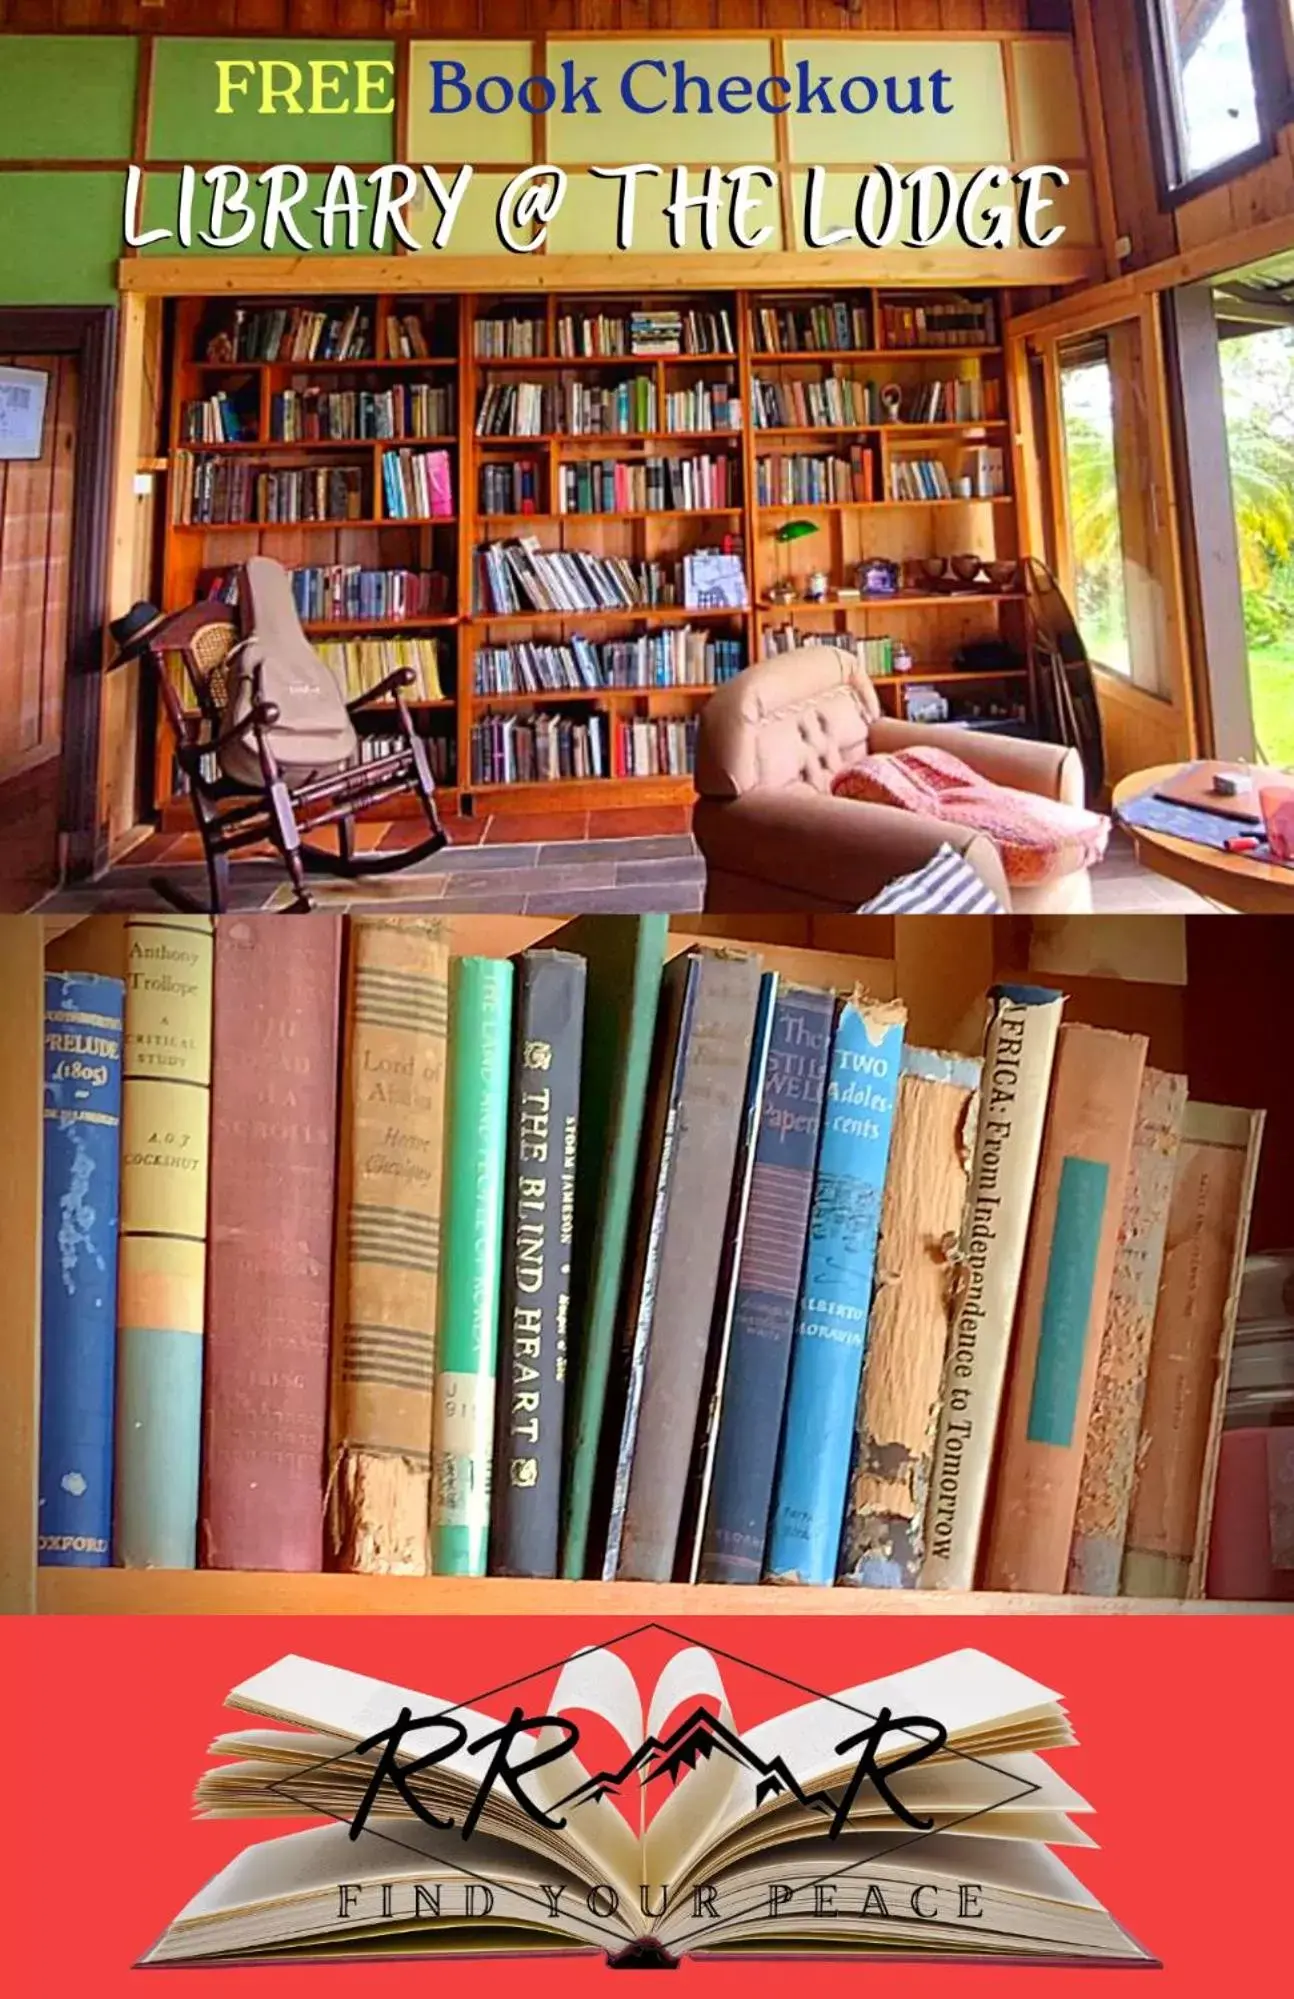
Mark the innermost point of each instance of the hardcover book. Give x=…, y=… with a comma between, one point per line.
x=907, y=1333
x=1190, y=1351
x=539, y=1228
x=269, y=1288
x=1110, y=1459
x=161, y=1295
x=625, y=957
x=84, y=1025
x=700, y=1081
x=1063, y=1302
x=770, y=1841
x=467, y=1326
x=1019, y=1051
x=768, y=1287
x=835, y=1295
x=388, y=1244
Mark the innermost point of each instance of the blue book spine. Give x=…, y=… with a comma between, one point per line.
x=768, y=1286
x=835, y=1295
x=82, y=1132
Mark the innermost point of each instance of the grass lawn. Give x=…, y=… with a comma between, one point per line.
x=1271, y=679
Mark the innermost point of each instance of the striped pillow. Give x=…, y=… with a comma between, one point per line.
x=946, y=886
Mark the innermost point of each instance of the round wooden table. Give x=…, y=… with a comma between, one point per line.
x=1237, y=881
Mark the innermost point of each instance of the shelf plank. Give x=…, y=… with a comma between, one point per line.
x=135, y=1592
x=697, y=691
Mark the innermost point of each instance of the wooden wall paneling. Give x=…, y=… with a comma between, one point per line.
x=35, y=549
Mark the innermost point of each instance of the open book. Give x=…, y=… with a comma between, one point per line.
x=912, y=1815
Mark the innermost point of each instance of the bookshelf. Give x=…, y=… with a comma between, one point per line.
x=941, y=976
x=923, y=432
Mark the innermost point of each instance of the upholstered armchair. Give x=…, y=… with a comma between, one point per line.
x=774, y=837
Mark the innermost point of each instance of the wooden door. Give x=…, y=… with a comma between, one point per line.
x=36, y=528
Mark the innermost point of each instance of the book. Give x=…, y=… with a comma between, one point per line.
x=1063, y=1299
x=753, y=1384
x=388, y=1244
x=538, y=1241
x=1110, y=1459
x=162, y=1261
x=1019, y=1052
x=835, y=1295
x=448, y=1867
x=1190, y=1351
x=467, y=1316
x=687, y=1561
x=883, y=1544
x=703, y=1056
x=269, y=1270
x=81, y=1128
x=624, y=957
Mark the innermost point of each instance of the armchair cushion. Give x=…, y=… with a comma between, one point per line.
x=1039, y=839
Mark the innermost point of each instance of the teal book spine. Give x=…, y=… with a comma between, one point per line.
x=82, y=1173
x=835, y=1292
x=467, y=1323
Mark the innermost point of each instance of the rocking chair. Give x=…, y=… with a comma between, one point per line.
x=267, y=745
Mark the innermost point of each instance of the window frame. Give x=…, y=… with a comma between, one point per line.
x=1270, y=54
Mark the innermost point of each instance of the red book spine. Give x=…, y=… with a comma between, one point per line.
x=269, y=1286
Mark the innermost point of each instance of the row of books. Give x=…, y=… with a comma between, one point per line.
x=226, y=491
x=219, y=419
x=514, y=338
x=515, y=576
x=637, y=1282
x=509, y=486
x=407, y=409
x=983, y=476
x=406, y=337
x=361, y=663
x=963, y=399
x=653, y=746
x=417, y=485
x=692, y=331
x=876, y=654
x=529, y=749
x=345, y=593
x=648, y=485
x=790, y=403
x=940, y=322
x=678, y=657
x=799, y=479
x=828, y=328
x=566, y=407
x=440, y=751
x=295, y=333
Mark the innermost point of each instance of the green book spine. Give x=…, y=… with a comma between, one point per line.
x=467, y=1326
x=625, y=957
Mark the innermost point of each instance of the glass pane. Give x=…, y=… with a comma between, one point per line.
x=1092, y=485
x=1258, y=382
x=1208, y=45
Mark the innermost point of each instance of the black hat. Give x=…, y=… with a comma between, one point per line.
x=129, y=633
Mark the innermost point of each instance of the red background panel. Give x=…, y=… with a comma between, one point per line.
x=1185, y=1752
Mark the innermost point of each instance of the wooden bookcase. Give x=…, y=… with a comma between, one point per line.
x=929, y=620
x=940, y=969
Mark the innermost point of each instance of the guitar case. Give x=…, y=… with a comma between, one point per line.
x=1068, y=711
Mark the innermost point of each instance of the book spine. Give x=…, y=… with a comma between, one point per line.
x=831, y=1324
x=1019, y=1053
x=388, y=1245
x=688, y=1557
x=1063, y=1301
x=768, y=1286
x=467, y=1319
x=883, y=1544
x=707, y=1127
x=269, y=1267
x=1190, y=1350
x=1110, y=1460
x=162, y=1266
x=84, y=1025
x=538, y=1238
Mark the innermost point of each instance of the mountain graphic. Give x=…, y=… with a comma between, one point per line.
x=695, y=1740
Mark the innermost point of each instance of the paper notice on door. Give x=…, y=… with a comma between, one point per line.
x=22, y=411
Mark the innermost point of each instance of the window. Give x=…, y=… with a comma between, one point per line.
x=1220, y=81
x=1092, y=489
